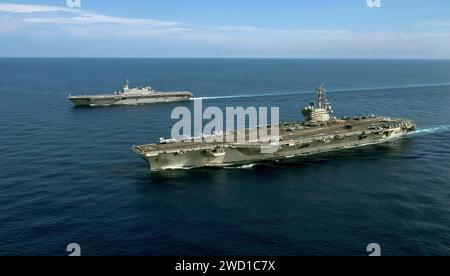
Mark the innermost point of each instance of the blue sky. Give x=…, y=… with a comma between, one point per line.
x=226, y=28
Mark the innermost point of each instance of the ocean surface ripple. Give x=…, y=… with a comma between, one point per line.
x=67, y=175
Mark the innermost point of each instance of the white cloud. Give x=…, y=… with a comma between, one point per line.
x=74, y=16
x=92, y=18
x=434, y=24
x=23, y=8
x=37, y=23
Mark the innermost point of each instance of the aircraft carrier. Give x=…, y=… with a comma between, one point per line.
x=320, y=132
x=131, y=96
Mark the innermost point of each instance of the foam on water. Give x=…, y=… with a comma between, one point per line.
x=241, y=167
x=431, y=130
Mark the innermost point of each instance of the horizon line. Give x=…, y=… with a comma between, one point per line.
x=175, y=57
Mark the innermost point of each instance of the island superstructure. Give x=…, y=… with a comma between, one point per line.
x=320, y=132
x=131, y=96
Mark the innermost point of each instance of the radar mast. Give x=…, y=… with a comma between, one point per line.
x=320, y=109
x=126, y=86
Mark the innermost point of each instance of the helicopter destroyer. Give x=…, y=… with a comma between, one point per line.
x=320, y=132
x=131, y=96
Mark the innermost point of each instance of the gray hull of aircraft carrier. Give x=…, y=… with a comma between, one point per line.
x=319, y=133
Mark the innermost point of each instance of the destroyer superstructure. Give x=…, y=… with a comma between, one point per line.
x=320, y=132
x=131, y=96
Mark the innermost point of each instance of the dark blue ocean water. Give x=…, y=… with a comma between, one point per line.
x=67, y=175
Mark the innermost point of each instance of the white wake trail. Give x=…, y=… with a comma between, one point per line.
x=331, y=90
x=431, y=130
x=250, y=95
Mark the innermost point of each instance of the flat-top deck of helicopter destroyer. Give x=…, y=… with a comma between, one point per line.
x=131, y=96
